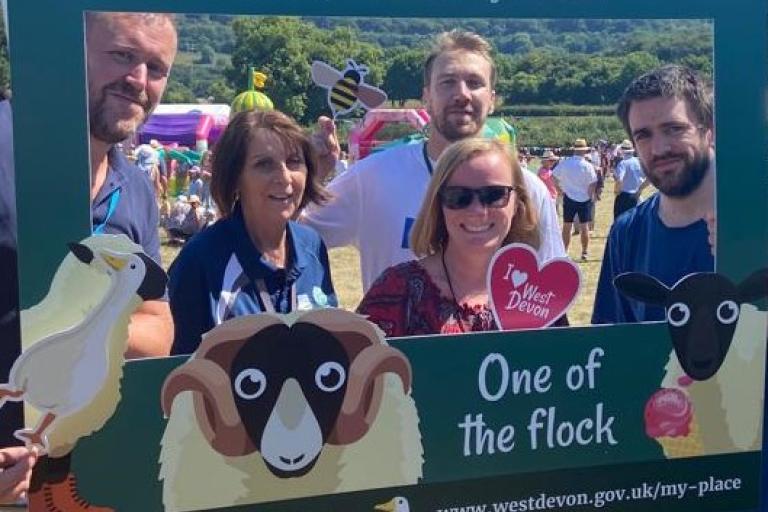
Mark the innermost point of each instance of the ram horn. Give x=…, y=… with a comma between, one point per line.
x=364, y=389
x=215, y=409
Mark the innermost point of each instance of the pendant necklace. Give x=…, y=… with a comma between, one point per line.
x=458, y=318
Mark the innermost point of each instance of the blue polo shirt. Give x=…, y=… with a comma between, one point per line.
x=214, y=278
x=134, y=212
x=640, y=242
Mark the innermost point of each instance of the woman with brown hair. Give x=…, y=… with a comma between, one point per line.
x=256, y=258
x=476, y=203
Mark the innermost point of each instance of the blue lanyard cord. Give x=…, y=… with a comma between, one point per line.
x=114, y=198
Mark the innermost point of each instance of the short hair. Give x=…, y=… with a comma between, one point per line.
x=670, y=81
x=458, y=40
x=231, y=151
x=147, y=18
x=429, y=234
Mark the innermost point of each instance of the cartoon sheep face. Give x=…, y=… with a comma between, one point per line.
x=702, y=312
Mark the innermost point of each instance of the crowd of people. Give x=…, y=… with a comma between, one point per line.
x=575, y=177
x=426, y=218
x=181, y=179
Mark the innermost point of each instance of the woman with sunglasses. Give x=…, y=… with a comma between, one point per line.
x=476, y=203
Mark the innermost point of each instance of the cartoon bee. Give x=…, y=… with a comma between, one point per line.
x=346, y=89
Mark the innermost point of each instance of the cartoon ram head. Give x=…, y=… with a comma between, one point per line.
x=285, y=386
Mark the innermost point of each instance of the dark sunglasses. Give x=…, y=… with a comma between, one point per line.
x=492, y=196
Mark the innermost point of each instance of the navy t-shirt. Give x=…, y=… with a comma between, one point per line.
x=135, y=212
x=640, y=242
x=10, y=336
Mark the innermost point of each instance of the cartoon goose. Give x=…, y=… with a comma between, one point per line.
x=396, y=504
x=63, y=373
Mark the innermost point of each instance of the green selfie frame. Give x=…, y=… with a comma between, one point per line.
x=49, y=103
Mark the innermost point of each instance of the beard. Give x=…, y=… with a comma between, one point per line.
x=685, y=181
x=452, y=130
x=106, y=122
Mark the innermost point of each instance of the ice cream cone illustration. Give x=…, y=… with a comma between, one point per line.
x=669, y=419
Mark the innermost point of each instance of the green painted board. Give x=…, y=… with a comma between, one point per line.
x=118, y=465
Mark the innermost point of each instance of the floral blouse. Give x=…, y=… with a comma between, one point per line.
x=404, y=301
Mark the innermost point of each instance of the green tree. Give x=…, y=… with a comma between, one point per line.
x=207, y=54
x=634, y=65
x=5, y=67
x=520, y=43
x=521, y=88
x=285, y=48
x=221, y=92
x=178, y=93
x=404, y=78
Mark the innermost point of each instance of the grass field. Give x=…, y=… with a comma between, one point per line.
x=345, y=263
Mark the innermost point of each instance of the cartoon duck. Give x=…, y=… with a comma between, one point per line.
x=396, y=504
x=72, y=376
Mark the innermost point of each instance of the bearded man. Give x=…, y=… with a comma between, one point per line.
x=668, y=114
x=129, y=58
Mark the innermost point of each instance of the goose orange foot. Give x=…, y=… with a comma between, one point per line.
x=31, y=437
x=61, y=497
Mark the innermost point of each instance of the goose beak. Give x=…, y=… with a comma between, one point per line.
x=386, y=507
x=114, y=262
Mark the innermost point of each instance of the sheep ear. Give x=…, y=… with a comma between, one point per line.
x=754, y=287
x=641, y=287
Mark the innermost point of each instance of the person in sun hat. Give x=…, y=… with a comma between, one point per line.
x=577, y=178
x=630, y=180
x=548, y=161
x=196, y=184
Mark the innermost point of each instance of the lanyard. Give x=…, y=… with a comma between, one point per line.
x=114, y=198
x=427, y=160
x=266, y=300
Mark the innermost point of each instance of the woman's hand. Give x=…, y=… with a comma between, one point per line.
x=16, y=465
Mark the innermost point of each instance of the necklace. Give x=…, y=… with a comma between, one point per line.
x=458, y=318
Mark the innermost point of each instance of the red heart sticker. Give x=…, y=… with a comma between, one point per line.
x=525, y=295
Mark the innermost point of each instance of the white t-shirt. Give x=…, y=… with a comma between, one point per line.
x=575, y=175
x=376, y=203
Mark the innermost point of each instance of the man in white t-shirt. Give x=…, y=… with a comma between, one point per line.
x=378, y=198
x=578, y=180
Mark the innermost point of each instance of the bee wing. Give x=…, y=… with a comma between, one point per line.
x=325, y=75
x=370, y=96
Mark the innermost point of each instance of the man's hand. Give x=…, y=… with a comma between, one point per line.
x=326, y=143
x=16, y=465
x=712, y=229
